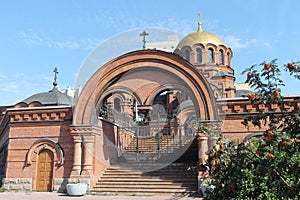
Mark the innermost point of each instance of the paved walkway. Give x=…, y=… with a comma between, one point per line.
x=62, y=196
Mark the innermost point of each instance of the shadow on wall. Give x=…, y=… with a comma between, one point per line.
x=109, y=138
x=3, y=162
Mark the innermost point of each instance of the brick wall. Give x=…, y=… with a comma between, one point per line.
x=233, y=111
x=25, y=133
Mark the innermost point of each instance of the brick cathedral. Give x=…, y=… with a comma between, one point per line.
x=137, y=116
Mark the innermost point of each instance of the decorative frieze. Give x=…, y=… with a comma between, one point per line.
x=243, y=105
x=30, y=114
x=85, y=130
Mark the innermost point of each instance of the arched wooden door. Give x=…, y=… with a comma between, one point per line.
x=44, y=171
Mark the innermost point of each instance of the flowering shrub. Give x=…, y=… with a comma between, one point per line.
x=266, y=167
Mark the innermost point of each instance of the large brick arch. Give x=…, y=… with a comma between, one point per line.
x=173, y=64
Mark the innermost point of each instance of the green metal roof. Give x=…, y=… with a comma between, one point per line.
x=53, y=97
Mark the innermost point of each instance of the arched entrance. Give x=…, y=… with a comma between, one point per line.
x=44, y=179
x=159, y=91
x=169, y=69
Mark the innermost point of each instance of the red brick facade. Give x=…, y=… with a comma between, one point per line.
x=27, y=132
x=82, y=142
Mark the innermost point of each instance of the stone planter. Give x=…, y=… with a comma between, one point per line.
x=76, y=189
x=205, y=188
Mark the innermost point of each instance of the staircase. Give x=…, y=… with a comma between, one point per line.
x=173, y=179
x=150, y=161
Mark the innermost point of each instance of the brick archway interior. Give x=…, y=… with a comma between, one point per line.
x=144, y=74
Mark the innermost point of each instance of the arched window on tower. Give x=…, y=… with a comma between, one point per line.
x=210, y=55
x=221, y=56
x=229, y=59
x=117, y=104
x=199, y=55
x=187, y=55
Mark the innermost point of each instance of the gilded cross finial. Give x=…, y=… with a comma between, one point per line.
x=199, y=22
x=144, y=34
x=55, y=76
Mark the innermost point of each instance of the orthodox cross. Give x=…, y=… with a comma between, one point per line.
x=55, y=76
x=144, y=34
x=199, y=22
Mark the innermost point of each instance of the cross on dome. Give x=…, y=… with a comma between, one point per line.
x=199, y=23
x=144, y=34
x=55, y=76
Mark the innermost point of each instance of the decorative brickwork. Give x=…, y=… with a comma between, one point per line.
x=196, y=85
x=41, y=114
x=29, y=130
x=232, y=113
x=84, y=141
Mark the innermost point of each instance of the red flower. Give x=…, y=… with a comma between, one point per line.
x=285, y=144
x=290, y=66
x=275, y=93
x=249, y=75
x=252, y=96
x=267, y=66
x=232, y=186
x=270, y=133
x=271, y=156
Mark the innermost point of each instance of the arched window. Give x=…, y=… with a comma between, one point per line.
x=187, y=55
x=221, y=57
x=229, y=58
x=117, y=104
x=210, y=55
x=199, y=55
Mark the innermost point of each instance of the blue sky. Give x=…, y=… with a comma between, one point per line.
x=37, y=36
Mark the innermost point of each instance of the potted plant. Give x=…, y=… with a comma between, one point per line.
x=76, y=189
x=205, y=186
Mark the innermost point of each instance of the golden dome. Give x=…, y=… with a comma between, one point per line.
x=201, y=37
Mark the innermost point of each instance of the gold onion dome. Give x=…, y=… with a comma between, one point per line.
x=200, y=36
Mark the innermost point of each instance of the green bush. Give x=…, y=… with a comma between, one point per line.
x=266, y=167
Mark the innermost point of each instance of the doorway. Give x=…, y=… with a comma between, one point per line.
x=45, y=171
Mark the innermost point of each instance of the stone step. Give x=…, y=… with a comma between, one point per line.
x=150, y=191
x=131, y=177
x=157, y=174
x=149, y=179
x=137, y=182
x=183, y=171
x=153, y=174
x=145, y=186
x=122, y=172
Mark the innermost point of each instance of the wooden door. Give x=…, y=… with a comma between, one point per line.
x=44, y=171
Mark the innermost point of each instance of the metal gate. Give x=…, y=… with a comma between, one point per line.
x=159, y=141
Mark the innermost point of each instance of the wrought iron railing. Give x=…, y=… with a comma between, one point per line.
x=151, y=141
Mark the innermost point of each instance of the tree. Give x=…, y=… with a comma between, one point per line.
x=267, y=167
